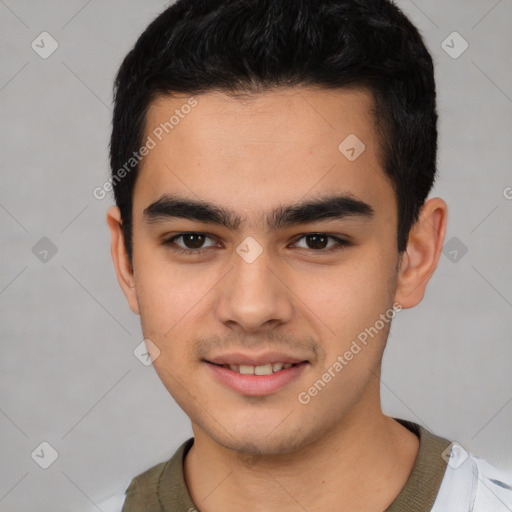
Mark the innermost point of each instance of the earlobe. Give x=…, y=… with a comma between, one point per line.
x=124, y=271
x=422, y=254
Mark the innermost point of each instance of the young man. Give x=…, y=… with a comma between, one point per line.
x=271, y=162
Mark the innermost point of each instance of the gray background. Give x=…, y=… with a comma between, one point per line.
x=68, y=373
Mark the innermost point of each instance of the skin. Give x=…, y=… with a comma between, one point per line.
x=338, y=452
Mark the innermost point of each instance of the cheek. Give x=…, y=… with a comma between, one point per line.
x=345, y=299
x=166, y=294
x=169, y=302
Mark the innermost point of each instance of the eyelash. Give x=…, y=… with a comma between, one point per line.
x=340, y=243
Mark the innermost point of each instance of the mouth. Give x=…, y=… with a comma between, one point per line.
x=261, y=369
x=256, y=380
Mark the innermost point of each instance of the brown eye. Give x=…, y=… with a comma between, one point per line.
x=322, y=243
x=191, y=243
x=193, y=240
x=316, y=241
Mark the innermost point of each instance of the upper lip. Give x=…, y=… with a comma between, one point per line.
x=255, y=360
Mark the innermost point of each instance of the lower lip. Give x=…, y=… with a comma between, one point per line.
x=255, y=385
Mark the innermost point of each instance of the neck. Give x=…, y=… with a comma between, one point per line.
x=362, y=465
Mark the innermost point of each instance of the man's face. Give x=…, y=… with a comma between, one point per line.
x=257, y=287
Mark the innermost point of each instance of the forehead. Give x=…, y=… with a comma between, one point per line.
x=262, y=149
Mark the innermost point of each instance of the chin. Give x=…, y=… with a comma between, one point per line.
x=255, y=439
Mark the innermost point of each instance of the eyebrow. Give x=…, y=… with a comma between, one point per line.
x=326, y=208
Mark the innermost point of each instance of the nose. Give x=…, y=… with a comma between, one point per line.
x=254, y=296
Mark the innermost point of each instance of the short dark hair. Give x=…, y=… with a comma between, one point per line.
x=251, y=46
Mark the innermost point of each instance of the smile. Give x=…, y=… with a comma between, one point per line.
x=256, y=380
x=262, y=369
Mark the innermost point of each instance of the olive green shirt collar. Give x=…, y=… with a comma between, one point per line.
x=163, y=488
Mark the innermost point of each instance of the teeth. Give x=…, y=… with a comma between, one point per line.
x=246, y=369
x=262, y=369
x=277, y=366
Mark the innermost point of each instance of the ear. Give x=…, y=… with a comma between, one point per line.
x=422, y=254
x=122, y=264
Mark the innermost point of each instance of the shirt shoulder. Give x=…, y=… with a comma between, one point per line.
x=163, y=482
x=472, y=484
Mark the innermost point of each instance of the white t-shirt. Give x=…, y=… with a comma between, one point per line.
x=471, y=484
